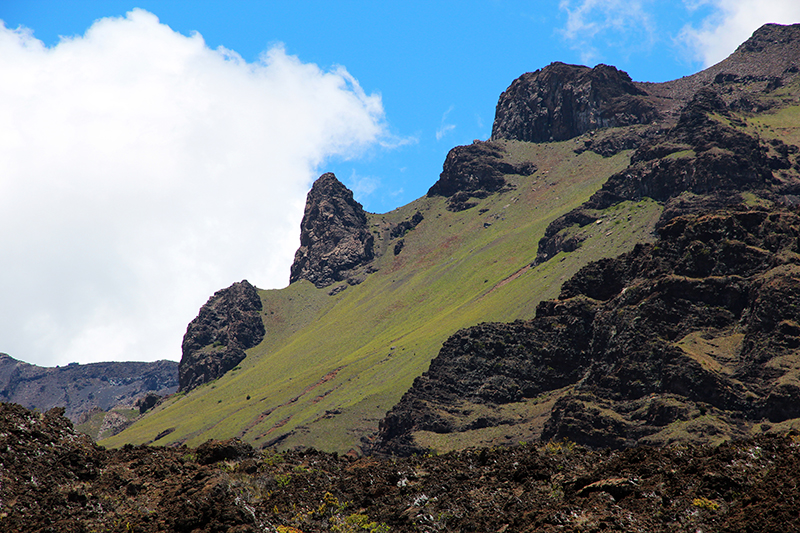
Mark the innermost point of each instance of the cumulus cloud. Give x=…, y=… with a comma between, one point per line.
x=621, y=23
x=140, y=171
x=732, y=22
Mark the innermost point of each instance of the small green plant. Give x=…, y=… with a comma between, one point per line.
x=228, y=466
x=705, y=503
x=560, y=447
x=283, y=480
x=357, y=522
x=273, y=459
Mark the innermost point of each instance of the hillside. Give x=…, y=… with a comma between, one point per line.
x=375, y=296
x=335, y=359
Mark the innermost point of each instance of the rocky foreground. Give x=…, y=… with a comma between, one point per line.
x=54, y=479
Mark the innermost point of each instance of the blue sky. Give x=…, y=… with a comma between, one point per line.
x=438, y=66
x=154, y=152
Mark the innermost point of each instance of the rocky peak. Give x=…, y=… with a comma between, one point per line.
x=475, y=171
x=562, y=101
x=776, y=39
x=334, y=235
x=215, y=341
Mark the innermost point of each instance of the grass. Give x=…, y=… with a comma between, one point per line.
x=330, y=367
x=530, y=414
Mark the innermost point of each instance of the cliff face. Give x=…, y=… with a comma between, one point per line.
x=83, y=388
x=334, y=237
x=228, y=324
x=699, y=329
x=690, y=339
x=562, y=101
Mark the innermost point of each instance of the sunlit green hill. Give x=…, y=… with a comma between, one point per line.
x=331, y=366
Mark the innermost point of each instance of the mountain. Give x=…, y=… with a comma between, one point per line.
x=690, y=339
x=614, y=266
x=96, y=395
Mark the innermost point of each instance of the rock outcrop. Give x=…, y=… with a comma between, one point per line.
x=79, y=389
x=475, y=171
x=708, y=154
x=215, y=342
x=562, y=101
x=692, y=337
x=769, y=59
x=334, y=235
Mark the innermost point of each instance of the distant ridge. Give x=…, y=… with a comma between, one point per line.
x=82, y=388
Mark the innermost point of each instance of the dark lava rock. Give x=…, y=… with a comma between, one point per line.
x=81, y=389
x=227, y=325
x=405, y=226
x=54, y=480
x=701, y=155
x=334, y=235
x=613, y=343
x=562, y=101
x=475, y=171
x=147, y=402
x=213, y=451
x=612, y=141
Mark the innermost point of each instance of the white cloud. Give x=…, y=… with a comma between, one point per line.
x=623, y=24
x=731, y=23
x=445, y=128
x=362, y=186
x=140, y=171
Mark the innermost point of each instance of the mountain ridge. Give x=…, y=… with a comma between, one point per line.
x=634, y=289
x=110, y=393
x=338, y=356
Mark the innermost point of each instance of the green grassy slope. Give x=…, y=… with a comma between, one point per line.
x=331, y=366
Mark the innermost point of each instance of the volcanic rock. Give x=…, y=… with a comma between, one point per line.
x=769, y=59
x=334, y=235
x=215, y=342
x=475, y=171
x=562, y=101
x=703, y=321
x=702, y=155
x=57, y=480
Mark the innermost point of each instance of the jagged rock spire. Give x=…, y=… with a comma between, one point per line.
x=334, y=237
x=215, y=341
